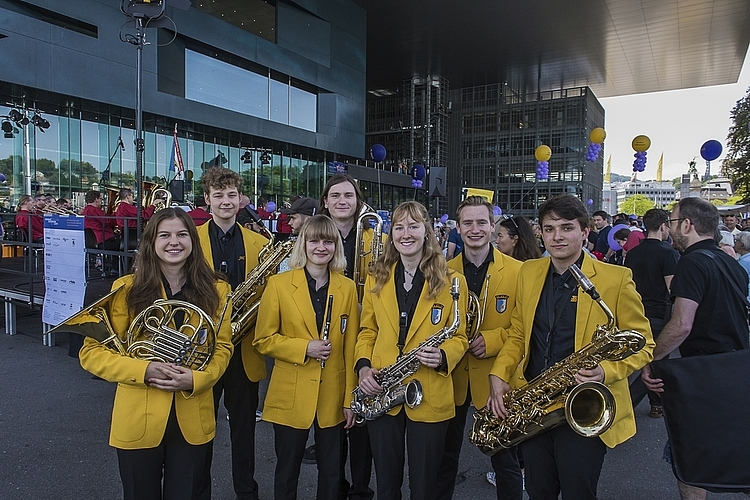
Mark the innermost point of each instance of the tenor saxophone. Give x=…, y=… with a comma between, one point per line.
x=554, y=397
x=390, y=378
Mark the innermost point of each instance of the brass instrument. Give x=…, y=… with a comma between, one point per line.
x=366, y=407
x=153, y=194
x=553, y=396
x=152, y=335
x=376, y=248
x=56, y=210
x=246, y=297
x=113, y=199
x=327, y=327
x=475, y=311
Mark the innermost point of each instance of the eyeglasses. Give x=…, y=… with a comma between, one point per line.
x=510, y=218
x=679, y=219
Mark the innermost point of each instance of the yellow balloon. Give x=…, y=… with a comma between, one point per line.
x=543, y=153
x=597, y=135
x=641, y=143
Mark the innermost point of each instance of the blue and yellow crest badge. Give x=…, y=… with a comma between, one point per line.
x=501, y=303
x=437, y=314
x=344, y=318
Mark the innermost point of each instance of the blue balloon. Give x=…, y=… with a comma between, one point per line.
x=2, y=177
x=711, y=150
x=497, y=210
x=444, y=218
x=418, y=171
x=377, y=152
x=589, y=202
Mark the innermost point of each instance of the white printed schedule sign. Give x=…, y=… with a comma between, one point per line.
x=64, y=267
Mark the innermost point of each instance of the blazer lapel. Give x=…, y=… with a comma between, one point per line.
x=584, y=330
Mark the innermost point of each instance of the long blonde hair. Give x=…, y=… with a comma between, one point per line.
x=433, y=264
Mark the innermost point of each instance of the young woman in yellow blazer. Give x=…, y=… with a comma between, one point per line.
x=163, y=416
x=410, y=277
x=308, y=322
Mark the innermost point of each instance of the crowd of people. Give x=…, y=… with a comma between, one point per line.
x=328, y=335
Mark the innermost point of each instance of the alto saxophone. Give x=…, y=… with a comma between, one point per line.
x=553, y=396
x=366, y=407
x=246, y=297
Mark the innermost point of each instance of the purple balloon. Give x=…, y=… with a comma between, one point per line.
x=2, y=177
x=377, y=152
x=611, y=236
x=589, y=202
x=497, y=210
x=444, y=218
x=711, y=150
x=271, y=206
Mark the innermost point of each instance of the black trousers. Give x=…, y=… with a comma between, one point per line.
x=505, y=462
x=561, y=460
x=424, y=444
x=241, y=401
x=638, y=389
x=290, y=447
x=182, y=465
x=360, y=465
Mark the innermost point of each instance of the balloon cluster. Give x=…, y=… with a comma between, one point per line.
x=596, y=137
x=542, y=154
x=593, y=152
x=542, y=170
x=416, y=184
x=639, y=165
x=640, y=144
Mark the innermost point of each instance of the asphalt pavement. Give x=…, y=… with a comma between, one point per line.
x=55, y=418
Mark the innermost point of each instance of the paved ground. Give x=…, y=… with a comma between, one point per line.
x=54, y=425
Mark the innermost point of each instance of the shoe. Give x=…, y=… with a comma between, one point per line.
x=491, y=478
x=258, y=415
x=309, y=456
x=656, y=412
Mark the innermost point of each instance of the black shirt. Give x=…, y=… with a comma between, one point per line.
x=179, y=316
x=407, y=301
x=475, y=275
x=228, y=252
x=318, y=298
x=350, y=249
x=650, y=262
x=553, y=331
x=720, y=323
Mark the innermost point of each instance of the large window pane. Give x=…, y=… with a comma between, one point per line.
x=279, y=102
x=217, y=83
x=303, y=109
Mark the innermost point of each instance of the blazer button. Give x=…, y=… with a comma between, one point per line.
x=132, y=380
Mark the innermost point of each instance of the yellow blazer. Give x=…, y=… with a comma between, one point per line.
x=617, y=289
x=140, y=412
x=300, y=390
x=252, y=360
x=501, y=299
x=378, y=339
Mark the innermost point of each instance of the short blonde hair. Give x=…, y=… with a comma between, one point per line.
x=318, y=227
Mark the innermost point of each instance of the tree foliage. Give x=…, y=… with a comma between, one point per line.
x=736, y=164
x=637, y=204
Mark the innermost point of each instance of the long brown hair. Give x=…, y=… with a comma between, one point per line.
x=433, y=264
x=200, y=280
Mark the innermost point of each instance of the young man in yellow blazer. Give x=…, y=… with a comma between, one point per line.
x=491, y=277
x=550, y=321
x=233, y=250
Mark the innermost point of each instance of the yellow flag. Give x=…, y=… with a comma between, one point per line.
x=484, y=193
x=658, y=167
x=608, y=174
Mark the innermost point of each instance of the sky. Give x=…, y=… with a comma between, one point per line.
x=678, y=122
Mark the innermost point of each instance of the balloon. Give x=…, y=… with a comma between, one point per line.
x=418, y=171
x=597, y=135
x=589, y=202
x=711, y=150
x=189, y=175
x=641, y=143
x=542, y=170
x=377, y=152
x=543, y=153
x=271, y=206
x=2, y=177
x=611, y=236
x=497, y=210
x=444, y=218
